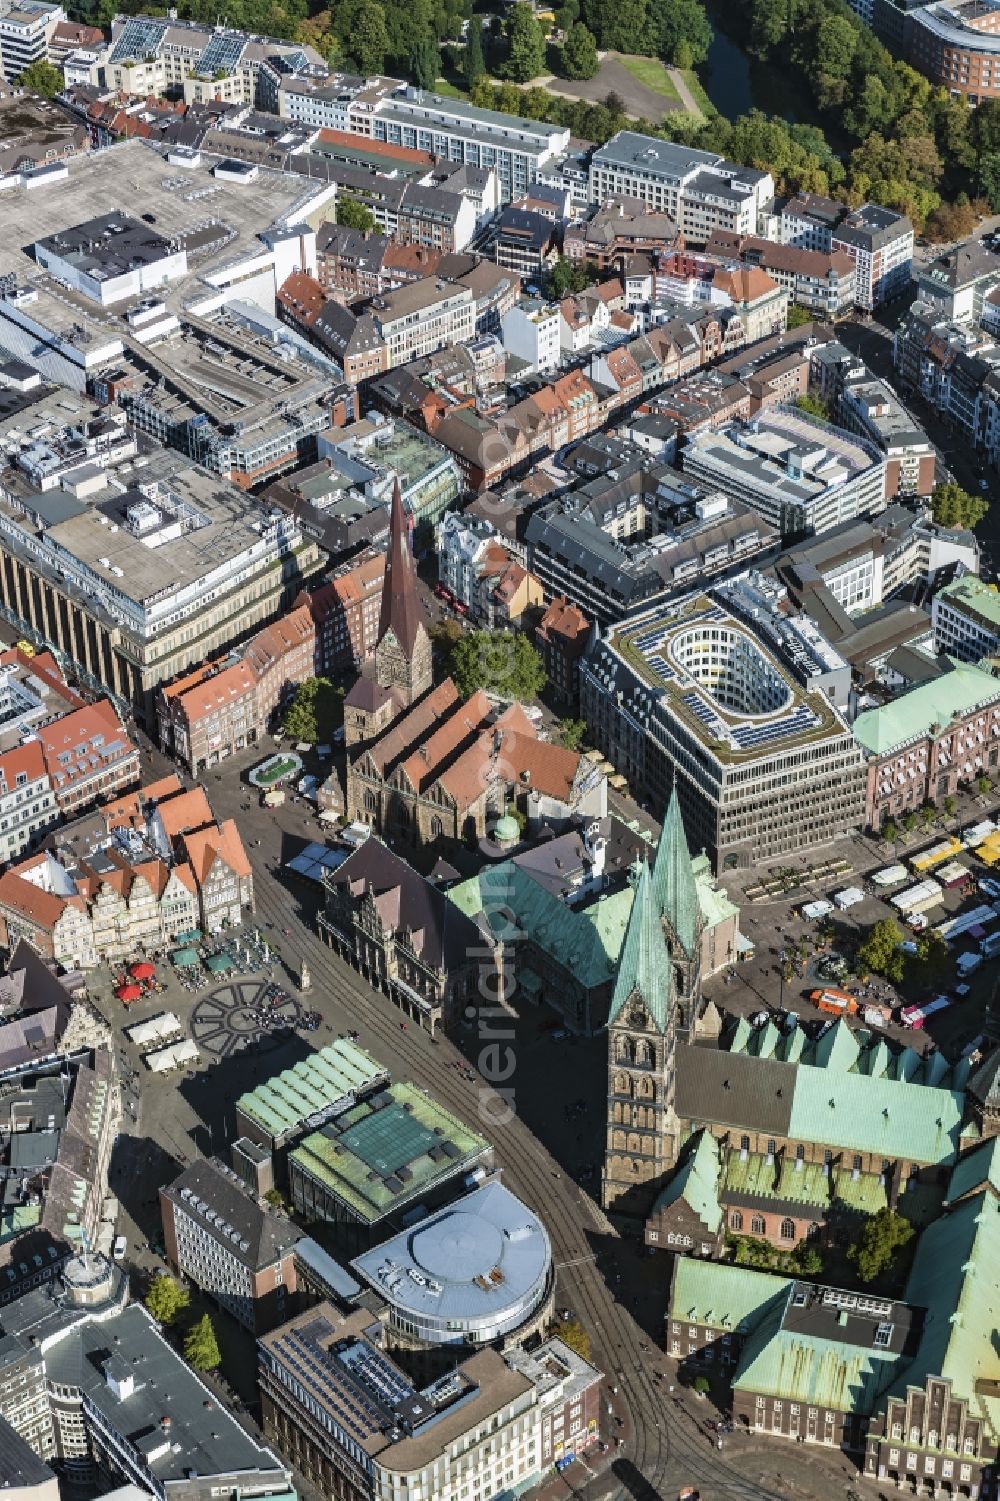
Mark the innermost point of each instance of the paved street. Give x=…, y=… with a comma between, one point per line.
x=615, y=1288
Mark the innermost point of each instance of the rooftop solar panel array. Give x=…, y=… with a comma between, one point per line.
x=750, y=736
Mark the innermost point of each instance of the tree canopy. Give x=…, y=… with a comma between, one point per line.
x=525, y=45
x=352, y=214
x=578, y=57
x=953, y=506
x=502, y=662
x=883, y=1236
x=166, y=1299
x=42, y=78
x=201, y=1348
x=316, y=712
x=881, y=952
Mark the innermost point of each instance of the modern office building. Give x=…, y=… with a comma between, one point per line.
x=478, y=1272
x=140, y=574
x=699, y=190
x=358, y=1429
x=799, y=474
x=230, y=1244
x=642, y=533
x=878, y=240
x=515, y=148
x=26, y=30
x=364, y=1171
x=966, y=616
x=736, y=713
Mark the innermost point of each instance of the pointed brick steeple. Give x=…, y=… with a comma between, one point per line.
x=403, y=656
x=402, y=612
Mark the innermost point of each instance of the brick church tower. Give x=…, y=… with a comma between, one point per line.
x=642, y=1126
x=402, y=667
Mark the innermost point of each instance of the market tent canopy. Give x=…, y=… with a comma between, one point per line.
x=218, y=962
x=184, y=958
x=128, y=993
x=143, y=970
x=193, y=935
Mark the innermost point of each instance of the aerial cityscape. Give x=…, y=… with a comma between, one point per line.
x=500, y=750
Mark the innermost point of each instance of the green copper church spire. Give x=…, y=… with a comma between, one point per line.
x=644, y=965
x=674, y=889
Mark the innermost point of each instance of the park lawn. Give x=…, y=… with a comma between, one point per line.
x=450, y=90
x=651, y=72
x=694, y=83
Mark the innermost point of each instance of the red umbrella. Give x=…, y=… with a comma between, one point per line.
x=128, y=993
x=143, y=970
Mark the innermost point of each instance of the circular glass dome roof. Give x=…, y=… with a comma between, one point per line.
x=507, y=827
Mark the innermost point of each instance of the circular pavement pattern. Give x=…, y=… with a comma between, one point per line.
x=226, y=1021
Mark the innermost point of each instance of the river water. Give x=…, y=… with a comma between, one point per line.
x=736, y=83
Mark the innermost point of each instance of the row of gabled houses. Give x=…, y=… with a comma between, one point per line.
x=132, y=878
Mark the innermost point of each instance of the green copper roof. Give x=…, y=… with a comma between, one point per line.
x=864, y=1194
x=956, y=1277
x=917, y=1122
x=644, y=966
x=976, y=599
x=975, y=1170
x=911, y=716
x=674, y=886
x=586, y=944
x=722, y=1296
x=355, y=1156
x=804, y=1368
x=713, y=899
x=696, y=1181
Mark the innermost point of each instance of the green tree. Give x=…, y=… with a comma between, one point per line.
x=814, y=405
x=621, y=26
x=928, y=813
x=578, y=58
x=42, y=78
x=882, y=1238
x=880, y=952
x=567, y=276
x=525, y=44
x=166, y=1299
x=701, y=1385
x=576, y=1336
x=890, y=831
x=672, y=22
x=475, y=63
x=571, y=733
x=425, y=63
x=353, y=214
x=931, y=957
x=769, y=21
x=909, y=822
x=316, y=712
x=805, y=1259
x=683, y=57
x=984, y=785
x=502, y=662
x=369, y=39
x=201, y=1348
x=953, y=506
x=798, y=317
x=948, y=804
